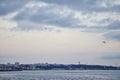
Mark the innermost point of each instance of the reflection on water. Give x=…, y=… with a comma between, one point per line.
x=61, y=75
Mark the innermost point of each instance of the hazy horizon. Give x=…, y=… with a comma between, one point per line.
x=60, y=31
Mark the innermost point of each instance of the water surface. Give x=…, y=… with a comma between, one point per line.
x=61, y=75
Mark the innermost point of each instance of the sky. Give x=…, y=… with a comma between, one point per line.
x=60, y=31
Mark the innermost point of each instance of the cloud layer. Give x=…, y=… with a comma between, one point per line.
x=101, y=16
x=7, y=6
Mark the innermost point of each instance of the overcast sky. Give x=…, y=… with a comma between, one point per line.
x=60, y=31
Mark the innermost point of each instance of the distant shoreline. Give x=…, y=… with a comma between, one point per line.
x=46, y=66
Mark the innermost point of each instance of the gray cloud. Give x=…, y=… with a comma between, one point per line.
x=110, y=32
x=27, y=26
x=114, y=35
x=89, y=15
x=107, y=29
x=7, y=6
x=48, y=15
x=111, y=57
x=113, y=26
x=87, y=5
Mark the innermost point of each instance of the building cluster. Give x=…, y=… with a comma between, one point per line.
x=45, y=66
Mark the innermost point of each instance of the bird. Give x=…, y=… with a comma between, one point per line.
x=104, y=42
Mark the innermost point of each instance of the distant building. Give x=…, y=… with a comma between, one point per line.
x=17, y=63
x=8, y=63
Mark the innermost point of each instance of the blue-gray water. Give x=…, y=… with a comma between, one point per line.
x=62, y=75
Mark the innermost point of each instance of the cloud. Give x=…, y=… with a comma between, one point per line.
x=113, y=35
x=28, y=26
x=108, y=3
x=89, y=5
x=90, y=16
x=114, y=26
x=51, y=14
x=7, y=24
x=111, y=57
x=7, y=6
x=107, y=27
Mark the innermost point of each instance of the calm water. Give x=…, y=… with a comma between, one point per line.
x=62, y=75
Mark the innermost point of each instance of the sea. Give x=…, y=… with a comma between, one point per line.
x=61, y=75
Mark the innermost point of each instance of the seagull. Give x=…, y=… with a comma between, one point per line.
x=104, y=42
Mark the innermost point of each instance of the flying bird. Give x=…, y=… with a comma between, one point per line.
x=104, y=42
